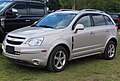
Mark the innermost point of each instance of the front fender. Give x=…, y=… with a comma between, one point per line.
x=58, y=42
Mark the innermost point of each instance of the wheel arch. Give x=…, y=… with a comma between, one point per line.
x=63, y=45
x=115, y=41
x=50, y=64
x=111, y=39
x=66, y=47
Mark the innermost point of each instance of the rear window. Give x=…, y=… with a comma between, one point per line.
x=114, y=16
x=98, y=20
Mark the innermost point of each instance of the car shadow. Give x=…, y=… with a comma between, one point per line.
x=85, y=60
x=92, y=57
x=72, y=63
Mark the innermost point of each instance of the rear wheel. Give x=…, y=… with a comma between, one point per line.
x=58, y=59
x=110, y=51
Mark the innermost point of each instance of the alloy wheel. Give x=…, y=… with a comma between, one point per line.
x=59, y=59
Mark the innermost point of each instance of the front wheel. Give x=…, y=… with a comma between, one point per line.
x=110, y=51
x=1, y=50
x=58, y=59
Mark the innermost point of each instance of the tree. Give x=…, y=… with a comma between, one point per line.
x=66, y=4
x=105, y=5
x=54, y=4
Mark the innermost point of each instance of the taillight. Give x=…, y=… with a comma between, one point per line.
x=116, y=27
x=119, y=20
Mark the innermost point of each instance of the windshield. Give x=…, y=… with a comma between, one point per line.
x=3, y=5
x=57, y=21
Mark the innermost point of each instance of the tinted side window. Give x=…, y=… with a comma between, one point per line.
x=85, y=20
x=36, y=9
x=98, y=20
x=22, y=8
x=108, y=20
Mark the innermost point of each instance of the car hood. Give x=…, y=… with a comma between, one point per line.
x=30, y=32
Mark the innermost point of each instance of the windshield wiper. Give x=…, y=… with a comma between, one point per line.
x=45, y=26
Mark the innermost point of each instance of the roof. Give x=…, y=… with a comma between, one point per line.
x=77, y=11
x=74, y=12
x=21, y=1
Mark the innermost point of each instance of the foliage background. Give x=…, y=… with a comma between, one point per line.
x=105, y=5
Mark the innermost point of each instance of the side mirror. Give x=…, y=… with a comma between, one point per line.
x=11, y=13
x=14, y=10
x=78, y=27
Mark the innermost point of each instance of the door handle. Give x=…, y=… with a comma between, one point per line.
x=91, y=33
x=27, y=20
x=107, y=30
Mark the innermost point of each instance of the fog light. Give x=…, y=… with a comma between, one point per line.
x=17, y=53
x=36, y=61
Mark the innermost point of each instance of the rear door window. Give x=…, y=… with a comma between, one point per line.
x=98, y=20
x=36, y=9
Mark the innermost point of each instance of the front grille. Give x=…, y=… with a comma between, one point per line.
x=15, y=40
x=16, y=37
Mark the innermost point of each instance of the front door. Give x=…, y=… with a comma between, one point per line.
x=84, y=39
x=20, y=21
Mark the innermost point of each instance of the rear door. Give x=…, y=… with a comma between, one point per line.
x=101, y=30
x=20, y=20
x=36, y=12
x=93, y=38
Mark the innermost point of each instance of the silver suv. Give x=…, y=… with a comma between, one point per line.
x=62, y=36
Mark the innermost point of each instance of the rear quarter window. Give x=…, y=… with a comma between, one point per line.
x=108, y=20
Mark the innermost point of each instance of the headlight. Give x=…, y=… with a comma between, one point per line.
x=35, y=41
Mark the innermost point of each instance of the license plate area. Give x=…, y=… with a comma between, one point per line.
x=10, y=49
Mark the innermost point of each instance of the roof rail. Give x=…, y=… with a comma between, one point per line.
x=65, y=10
x=93, y=10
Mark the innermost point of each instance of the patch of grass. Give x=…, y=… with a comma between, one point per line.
x=91, y=68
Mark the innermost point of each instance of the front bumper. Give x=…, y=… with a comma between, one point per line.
x=27, y=54
x=23, y=63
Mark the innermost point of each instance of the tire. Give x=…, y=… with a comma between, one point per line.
x=1, y=35
x=58, y=59
x=110, y=51
x=1, y=50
